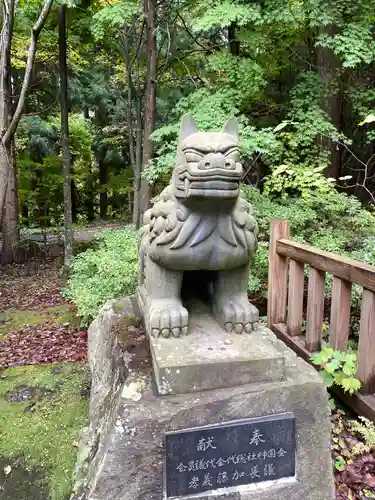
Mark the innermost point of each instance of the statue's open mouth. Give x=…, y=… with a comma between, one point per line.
x=214, y=183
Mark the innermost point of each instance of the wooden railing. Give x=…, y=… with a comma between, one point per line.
x=286, y=286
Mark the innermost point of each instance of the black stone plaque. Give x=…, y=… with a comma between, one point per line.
x=231, y=454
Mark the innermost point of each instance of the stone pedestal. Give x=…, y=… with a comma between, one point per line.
x=127, y=457
x=210, y=358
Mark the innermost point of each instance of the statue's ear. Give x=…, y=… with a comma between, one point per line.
x=188, y=127
x=231, y=127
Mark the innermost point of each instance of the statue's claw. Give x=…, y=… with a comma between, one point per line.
x=236, y=314
x=167, y=318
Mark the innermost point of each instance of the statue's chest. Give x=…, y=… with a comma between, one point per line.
x=204, y=242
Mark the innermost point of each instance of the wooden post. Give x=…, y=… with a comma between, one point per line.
x=366, y=346
x=340, y=314
x=315, y=309
x=295, y=297
x=277, y=274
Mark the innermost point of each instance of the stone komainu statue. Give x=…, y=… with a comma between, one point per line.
x=200, y=232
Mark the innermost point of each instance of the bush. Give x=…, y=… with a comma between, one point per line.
x=105, y=273
x=334, y=222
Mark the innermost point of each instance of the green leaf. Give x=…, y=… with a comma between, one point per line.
x=369, y=119
x=332, y=366
x=351, y=385
x=328, y=379
x=340, y=355
x=323, y=356
x=332, y=404
x=281, y=125
x=350, y=364
x=340, y=463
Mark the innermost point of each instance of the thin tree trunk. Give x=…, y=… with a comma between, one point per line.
x=132, y=155
x=8, y=127
x=150, y=104
x=328, y=65
x=89, y=189
x=103, y=179
x=137, y=216
x=234, y=44
x=10, y=225
x=25, y=214
x=74, y=194
x=67, y=180
x=6, y=160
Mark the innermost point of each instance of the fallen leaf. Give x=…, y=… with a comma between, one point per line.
x=7, y=470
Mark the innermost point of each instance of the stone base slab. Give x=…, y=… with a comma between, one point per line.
x=209, y=358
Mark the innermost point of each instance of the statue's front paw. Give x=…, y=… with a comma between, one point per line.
x=236, y=314
x=167, y=318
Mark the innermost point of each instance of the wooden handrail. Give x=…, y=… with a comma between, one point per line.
x=285, y=300
x=342, y=267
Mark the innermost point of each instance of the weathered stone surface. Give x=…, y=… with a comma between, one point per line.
x=108, y=362
x=122, y=451
x=200, y=224
x=211, y=358
x=105, y=354
x=131, y=461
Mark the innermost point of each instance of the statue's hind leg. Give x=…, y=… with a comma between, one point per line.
x=164, y=313
x=231, y=306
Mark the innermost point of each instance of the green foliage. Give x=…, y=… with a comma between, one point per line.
x=224, y=13
x=296, y=180
x=39, y=162
x=366, y=430
x=105, y=273
x=338, y=368
x=354, y=44
x=332, y=221
x=113, y=17
x=290, y=151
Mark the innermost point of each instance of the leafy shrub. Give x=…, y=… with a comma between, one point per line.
x=334, y=222
x=296, y=179
x=338, y=368
x=105, y=273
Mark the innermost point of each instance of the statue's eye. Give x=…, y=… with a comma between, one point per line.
x=233, y=155
x=191, y=156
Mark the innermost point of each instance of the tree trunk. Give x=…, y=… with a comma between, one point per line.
x=89, y=198
x=150, y=103
x=10, y=225
x=89, y=185
x=67, y=180
x=73, y=190
x=234, y=44
x=6, y=159
x=133, y=137
x=25, y=214
x=103, y=179
x=9, y=126
x=328, y=65
x=137, y=217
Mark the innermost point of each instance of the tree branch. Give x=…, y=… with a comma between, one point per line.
x=8, y=136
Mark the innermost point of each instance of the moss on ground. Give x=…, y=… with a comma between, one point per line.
x=15, y=319
x=42, y=409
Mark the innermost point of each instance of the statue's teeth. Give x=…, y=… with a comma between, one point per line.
x=186, y=186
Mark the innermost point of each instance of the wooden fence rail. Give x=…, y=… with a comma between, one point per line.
x=286, y=285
